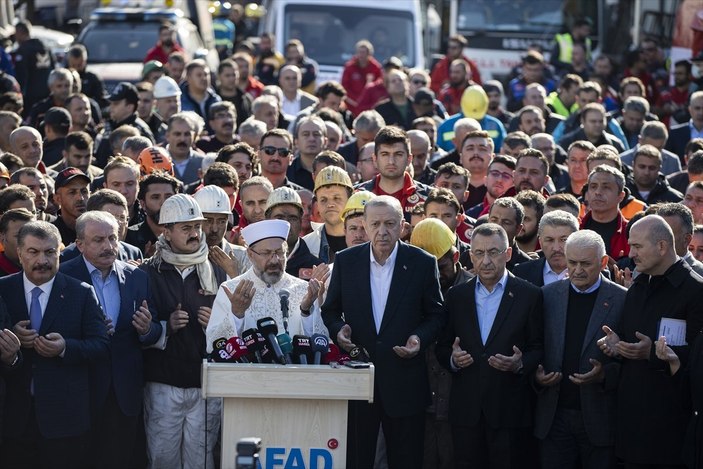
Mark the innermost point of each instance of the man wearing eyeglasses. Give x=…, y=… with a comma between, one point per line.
x=499, y=179
x=254, y=295
x=275, y=154
x=491, y=349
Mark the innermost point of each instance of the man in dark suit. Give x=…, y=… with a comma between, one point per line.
x=575, y=414
x=664, y=293
x=10, y=356
x=680, y=219
x=385, y=296
x=553, y=231
x=60, y=326
x=680, y=134
x=123, y=291
x=493, y=344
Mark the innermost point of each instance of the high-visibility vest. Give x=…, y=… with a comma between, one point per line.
x=559, y=107
x=566, y=46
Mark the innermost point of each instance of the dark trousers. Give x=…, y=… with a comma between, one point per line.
x=31, y=449
x=439, y=453
x=404, y=437
x=482, y=447
x=567, y=444
x=113, y=436
x=653, y=466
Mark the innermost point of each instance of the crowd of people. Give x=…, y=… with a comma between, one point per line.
x=521, y=261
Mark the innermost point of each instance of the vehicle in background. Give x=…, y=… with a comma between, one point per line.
x=329, y=30
x=56, y=41
x=118, y=38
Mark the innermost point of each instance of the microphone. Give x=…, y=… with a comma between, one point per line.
x=219, y=353
x=286, y=344
x=237, y=350
x=332, y=354
x=359, y=354
x=284, y=295
x=318, y=345
x=267, y=355
x=251, y=342
x=301, y=348
x=269, y=329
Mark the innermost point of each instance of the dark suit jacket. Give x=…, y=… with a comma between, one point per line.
x=414, y=306
x=126, y=370
x=597, y=400
x=679, y=136
x=532, y=271
x=61, y=385
x=502, y=397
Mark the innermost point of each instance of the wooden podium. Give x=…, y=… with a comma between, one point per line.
x=299, y=411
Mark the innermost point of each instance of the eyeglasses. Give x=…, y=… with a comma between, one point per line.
x=498, y=174
x=492, y=253
x=418, y=82
x=279, y=253
x=366, y=160
x=282, y=152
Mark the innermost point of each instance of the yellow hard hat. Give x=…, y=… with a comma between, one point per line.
x=432, y=235
x=333, y=176
x=474, y=102
x=356, y=203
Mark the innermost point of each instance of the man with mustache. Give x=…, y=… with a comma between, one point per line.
x=179, y=137
x=310, y=140
x=64, y=339
x=605, y=192
x=183, y=283
x=554, y=229
x=531, y=172
x=222, y=119
x=576, y=382
x=72, y=188
x=275, y=154
x=242, y=301
x=123, y=293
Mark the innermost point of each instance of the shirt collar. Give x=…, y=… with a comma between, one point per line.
x=591, y=289
x=29, y=286
x=92, y=268
x=548, y=269
x=390, y=260
x=501, y=282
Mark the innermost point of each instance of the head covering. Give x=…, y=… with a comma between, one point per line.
x=68, y=175
x=283, y=196
x=150, y=66
x=425, y=95
x=154, y=158
x=434, y=236
x=125, y=90
x=57, y=117
x=265, y=229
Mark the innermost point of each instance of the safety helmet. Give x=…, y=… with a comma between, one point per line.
x=154, y=158
x=213, y=199
x=333, y=176
x=356, y=203
x=166, y=87
x=283, y=195
x=434, y=236
x=474, y=102
x=180, y=208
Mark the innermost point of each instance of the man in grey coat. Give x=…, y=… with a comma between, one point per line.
x=576, y=385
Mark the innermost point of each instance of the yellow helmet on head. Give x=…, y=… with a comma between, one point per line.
x=474, y=102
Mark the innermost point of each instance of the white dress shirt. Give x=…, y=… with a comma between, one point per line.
x=43, y=298
x=549, y=276
x=381, y=277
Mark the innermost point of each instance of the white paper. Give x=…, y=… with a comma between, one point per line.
x=674, y=330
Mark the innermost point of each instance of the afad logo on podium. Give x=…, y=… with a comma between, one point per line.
x=293, y=458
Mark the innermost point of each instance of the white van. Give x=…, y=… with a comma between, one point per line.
x=329, y=29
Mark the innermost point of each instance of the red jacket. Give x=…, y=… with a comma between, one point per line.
x=618, y=243
x=373, y=94
x=158, y=53
x=440, y=73
x=451, y=98
x=254, y=87
x=355, y=77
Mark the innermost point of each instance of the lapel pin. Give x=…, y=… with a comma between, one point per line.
x=405, y=267
x=605, y=304
x=510, y=294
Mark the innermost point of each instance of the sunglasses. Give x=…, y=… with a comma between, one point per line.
x=282, y=152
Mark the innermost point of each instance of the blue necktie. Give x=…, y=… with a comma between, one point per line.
x=35, y=315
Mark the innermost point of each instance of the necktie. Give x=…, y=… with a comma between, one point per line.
x=35, y=316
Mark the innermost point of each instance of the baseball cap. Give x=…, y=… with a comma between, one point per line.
x=150, y=66
x=125, y=90
x=393, y=62
x=68, y=175
x=57, y=117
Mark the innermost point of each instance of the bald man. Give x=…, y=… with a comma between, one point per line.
x=421, y=149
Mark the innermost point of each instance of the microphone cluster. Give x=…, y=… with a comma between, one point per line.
x=264, y=344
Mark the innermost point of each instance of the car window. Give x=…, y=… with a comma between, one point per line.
x=119, y=42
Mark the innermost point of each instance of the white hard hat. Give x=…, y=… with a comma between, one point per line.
x=180, y=208
x=283, y=195
x=166, y=87
x=213, y=199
